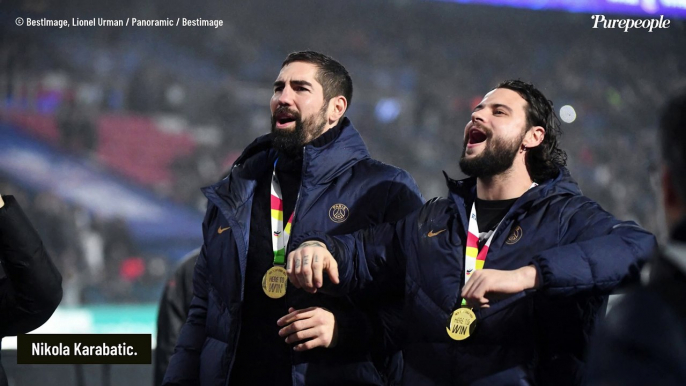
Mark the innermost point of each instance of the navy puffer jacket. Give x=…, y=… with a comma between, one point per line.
x=342, y=190
x=581, y=253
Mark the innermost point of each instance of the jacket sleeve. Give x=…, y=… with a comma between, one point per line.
x=368, y=255
x=596, y=252
x=363, y=328
x=184, y=365
x=32, y=288
x=172, y=314
x=404, y=197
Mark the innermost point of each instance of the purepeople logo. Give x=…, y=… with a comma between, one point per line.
x=627, y=24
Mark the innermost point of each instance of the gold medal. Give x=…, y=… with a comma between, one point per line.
x=274, y=282
x=461, y=323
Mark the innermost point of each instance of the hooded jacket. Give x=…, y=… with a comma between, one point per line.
x=342, y=190
x=580, y=251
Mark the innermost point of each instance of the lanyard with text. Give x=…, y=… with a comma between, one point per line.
x=462, y=322
x=274, y=281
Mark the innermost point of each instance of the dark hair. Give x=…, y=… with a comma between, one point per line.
x=673, y=141
x=333, y=77
x=543, y=161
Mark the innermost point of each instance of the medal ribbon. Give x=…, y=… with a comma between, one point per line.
x=280, y=235
x=473, y=258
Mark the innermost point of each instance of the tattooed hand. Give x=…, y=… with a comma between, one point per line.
x=311, y=244
x=306, y=266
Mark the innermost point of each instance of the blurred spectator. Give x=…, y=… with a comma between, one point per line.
x=174, y=306
x=644, y=337
x=30, y=288
x=78, y=133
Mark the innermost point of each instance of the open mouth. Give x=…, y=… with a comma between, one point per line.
x=476, y=136
x=284, y=118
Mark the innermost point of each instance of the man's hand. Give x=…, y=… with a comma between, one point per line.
x=305, y=266
x=2, y=203
x=496, y=283
x=314, y=327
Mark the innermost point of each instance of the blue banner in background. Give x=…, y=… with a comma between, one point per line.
x=155, y=223
x=651, y=8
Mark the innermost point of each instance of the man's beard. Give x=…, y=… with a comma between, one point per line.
x=290, y=141
x=496, y=158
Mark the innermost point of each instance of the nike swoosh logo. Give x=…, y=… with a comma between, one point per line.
x=432, y=233
x=221, y=230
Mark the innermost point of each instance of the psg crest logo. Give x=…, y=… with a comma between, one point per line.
x=339, y=213
x=514, y=236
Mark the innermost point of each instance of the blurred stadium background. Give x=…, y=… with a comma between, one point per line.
x=107, y=133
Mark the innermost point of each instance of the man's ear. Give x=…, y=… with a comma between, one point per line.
x=337, y=107
x=534, y=137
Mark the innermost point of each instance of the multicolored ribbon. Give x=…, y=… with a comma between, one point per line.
x=280, y=234
x=474, y=258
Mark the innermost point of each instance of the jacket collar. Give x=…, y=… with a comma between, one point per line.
x=463, y=192
x=323, y=164
x=320, y=164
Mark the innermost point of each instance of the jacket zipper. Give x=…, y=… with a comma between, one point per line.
x=290, y=240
